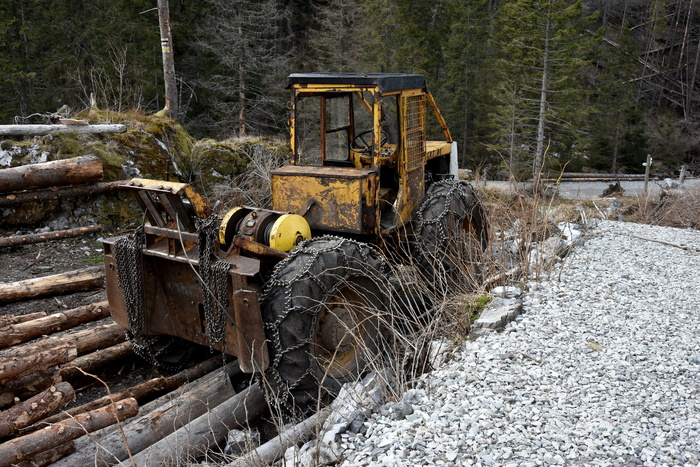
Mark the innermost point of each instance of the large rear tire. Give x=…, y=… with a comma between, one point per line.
x=450, y=236
x=322, y=310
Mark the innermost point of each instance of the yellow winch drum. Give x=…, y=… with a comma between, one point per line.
x=279, y=230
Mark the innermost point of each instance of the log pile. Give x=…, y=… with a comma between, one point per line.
x=44, y=360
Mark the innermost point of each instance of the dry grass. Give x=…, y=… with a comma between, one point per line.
x=671, y=208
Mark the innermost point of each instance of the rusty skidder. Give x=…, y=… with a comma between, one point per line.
x=296, y=292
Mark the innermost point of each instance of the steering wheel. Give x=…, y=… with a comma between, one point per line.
x=363, y=145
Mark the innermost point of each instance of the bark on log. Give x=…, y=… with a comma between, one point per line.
x=45, y=458
x=49, y=194
x=153, y=426
x=95, y=360
x=36, y=408
x=73, y=281
x=21, y=448
x=274, y=449
x=41, y=130
x=16, y=240
x=26, y=386
x=12, y=319
x=147, y=389
x=83, y=169
x=18, y=333
x=197, y=436
x=86, y=341
x=12, y=368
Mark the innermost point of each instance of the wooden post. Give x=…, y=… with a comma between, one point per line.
x=166, y=45
x=684, y=172
x=647, y=166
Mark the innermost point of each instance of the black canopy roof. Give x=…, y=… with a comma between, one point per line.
x=386, y=82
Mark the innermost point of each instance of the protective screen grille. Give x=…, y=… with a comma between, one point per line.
x=415, y=130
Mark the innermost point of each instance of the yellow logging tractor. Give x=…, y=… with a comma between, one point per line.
x=298, y=293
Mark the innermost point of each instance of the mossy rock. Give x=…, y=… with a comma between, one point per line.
x=214, y=162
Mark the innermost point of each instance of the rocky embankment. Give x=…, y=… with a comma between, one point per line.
x=601, y=368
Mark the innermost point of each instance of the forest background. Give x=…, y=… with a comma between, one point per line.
x=591, y=85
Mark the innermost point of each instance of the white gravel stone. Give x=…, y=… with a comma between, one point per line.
x=601, y=368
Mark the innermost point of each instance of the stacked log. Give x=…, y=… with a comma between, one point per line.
x=21, y=332
x=153, y=423
x=73, y=281
x=26, y=446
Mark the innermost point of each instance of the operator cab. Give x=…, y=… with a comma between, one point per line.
x=360, y=155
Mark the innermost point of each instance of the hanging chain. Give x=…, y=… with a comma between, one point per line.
x=127, y=256
x=214, y=281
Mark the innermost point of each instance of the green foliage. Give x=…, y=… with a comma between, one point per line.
x=621, y=77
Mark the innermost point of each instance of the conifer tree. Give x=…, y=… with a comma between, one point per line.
x=542, y=50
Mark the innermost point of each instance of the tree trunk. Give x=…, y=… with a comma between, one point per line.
x=542, y=117
x=52, y=436
x=97, y=359
x=152, y=427
x=14, y=367
x=10, y=320
x=86, y=341
x=166, y=44
x=22, y=332
x=205, y=431
x=42, y=130
x=48, y=194
x=73, y=281
x=48, y=236
x=36, y=408
x=81, y=169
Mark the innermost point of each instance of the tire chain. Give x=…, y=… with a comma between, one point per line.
x=336, y=244
x=446, y=189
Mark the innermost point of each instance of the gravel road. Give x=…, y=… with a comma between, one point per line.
x=588, y=190
x=602, y=368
